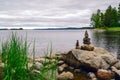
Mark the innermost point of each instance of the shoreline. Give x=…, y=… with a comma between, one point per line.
x=113, y=29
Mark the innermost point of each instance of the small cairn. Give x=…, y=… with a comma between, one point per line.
x=77, y=45
x=87, y=44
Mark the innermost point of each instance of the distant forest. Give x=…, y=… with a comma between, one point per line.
x=109, y=18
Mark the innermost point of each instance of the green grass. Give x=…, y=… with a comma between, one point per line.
x=113, y=29
x=14, y=55
x=48, y=71
x=110, y=28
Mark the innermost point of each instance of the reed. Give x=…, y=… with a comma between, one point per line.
x=14, y=56
x=48, y=72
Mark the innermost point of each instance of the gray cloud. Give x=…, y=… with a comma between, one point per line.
x=50, y=13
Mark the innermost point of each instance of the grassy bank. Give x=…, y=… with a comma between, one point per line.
x=109, y=28
x=112, y=29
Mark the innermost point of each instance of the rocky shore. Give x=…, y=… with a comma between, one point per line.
x=89, y=65
x=85, y=62
x=88, y=62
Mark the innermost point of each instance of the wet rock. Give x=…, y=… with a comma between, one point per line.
x=104, y=74
x=65, y=76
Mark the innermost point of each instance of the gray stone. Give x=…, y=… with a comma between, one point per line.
x=99, y=58
x=37, y=66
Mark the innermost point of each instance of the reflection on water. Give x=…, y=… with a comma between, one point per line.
x=108, y=40
x=64, y=40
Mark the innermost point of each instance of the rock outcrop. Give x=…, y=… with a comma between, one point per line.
x=102, y=64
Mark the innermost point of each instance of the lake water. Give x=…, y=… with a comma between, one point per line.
x=64, y=40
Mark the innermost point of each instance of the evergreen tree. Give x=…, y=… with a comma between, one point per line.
x=93, y=20
x=108, y=17
x=119, y=15
x=96, y=19
x=102, y=20
x=114, y=18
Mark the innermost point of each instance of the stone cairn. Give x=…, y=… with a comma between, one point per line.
x=86, y=39
x=77, y=45
x=87, y=44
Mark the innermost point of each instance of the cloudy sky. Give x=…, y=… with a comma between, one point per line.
x=50, y=13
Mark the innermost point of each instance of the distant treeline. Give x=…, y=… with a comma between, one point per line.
x=109, y=18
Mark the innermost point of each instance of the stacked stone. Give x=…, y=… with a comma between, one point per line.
x=86, y=42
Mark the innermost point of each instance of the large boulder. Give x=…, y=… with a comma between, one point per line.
x=98, y=64
x=99, y=58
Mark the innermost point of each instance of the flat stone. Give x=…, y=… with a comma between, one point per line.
x=87, y=47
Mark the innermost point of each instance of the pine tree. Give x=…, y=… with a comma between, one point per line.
x=108, y=17
x=114, y=18
x=119, y=15
x=96, y=19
